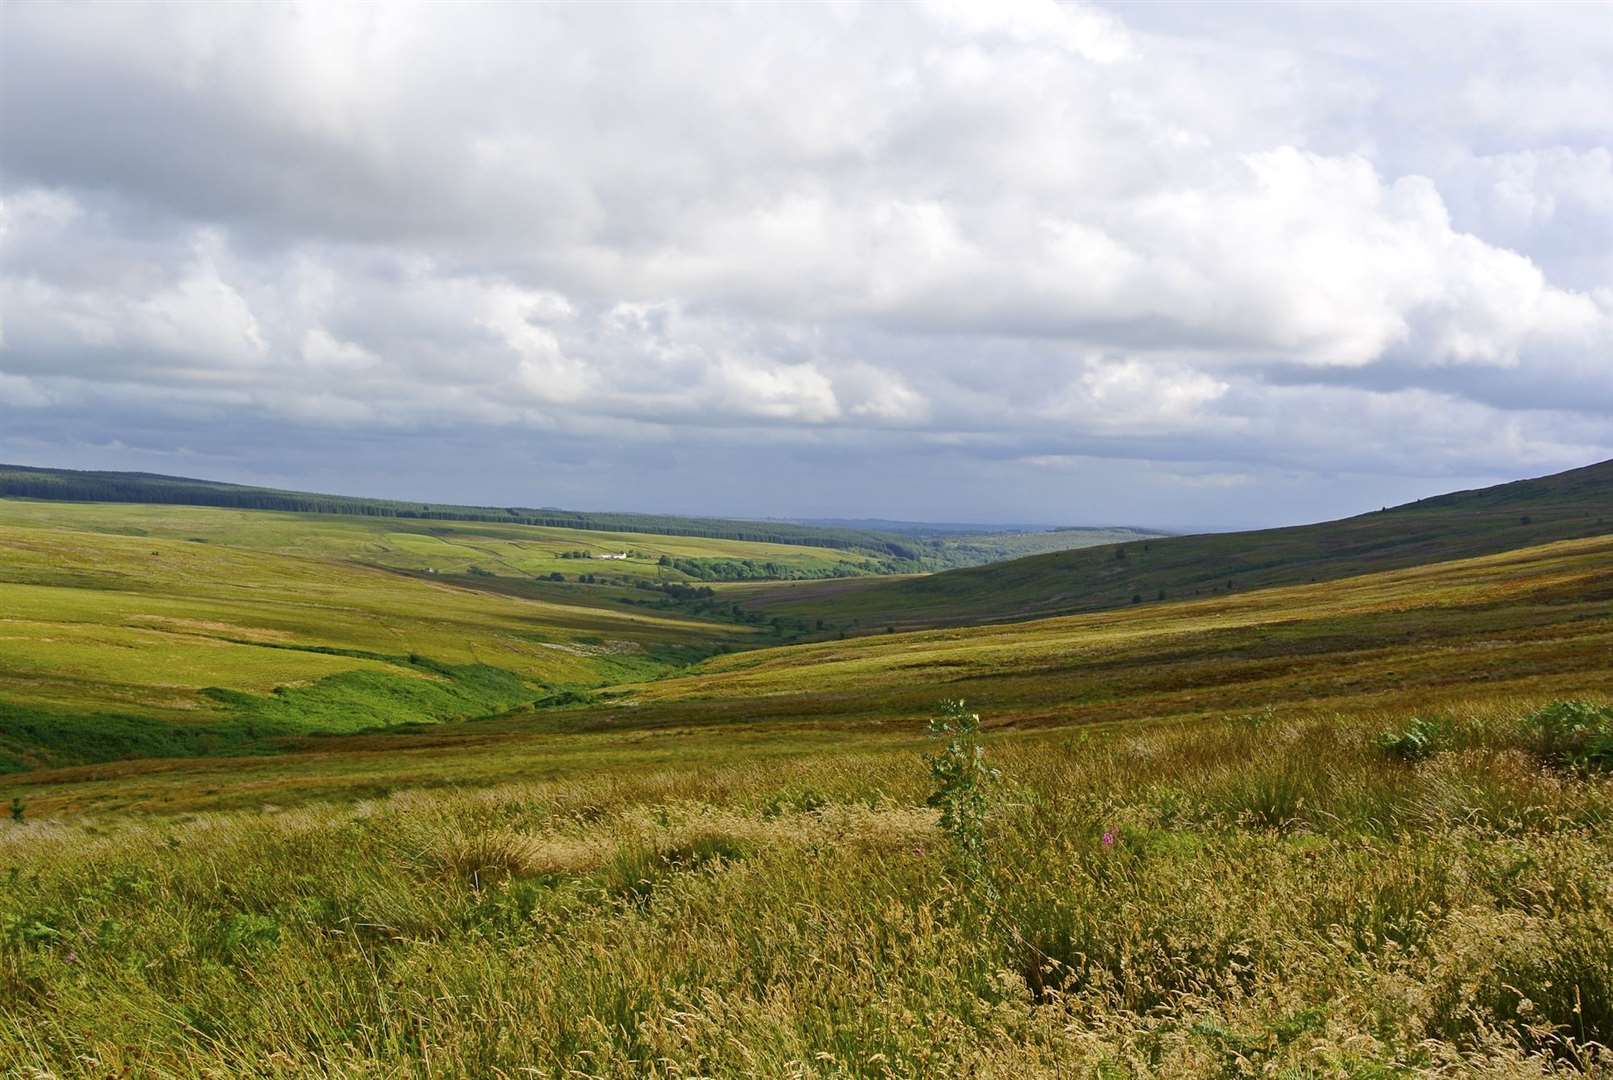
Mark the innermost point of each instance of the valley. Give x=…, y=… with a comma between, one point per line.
x=393, y=765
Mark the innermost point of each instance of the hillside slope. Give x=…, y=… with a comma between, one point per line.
x=118, y=646
x=860, y=547
x=481, y=548
x=72, y=485
x=1537, y=621
x=1463, y=524
x=1503, y=632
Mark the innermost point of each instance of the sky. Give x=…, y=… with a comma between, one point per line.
x=1183, y=265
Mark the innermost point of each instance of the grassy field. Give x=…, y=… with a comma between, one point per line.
x=447, y=547
x=981, y=548
x=112, y=645
x=1531, y=625
x=1330, y=829
x=1567, y=505
x=1538, y=619
x=71, y=485
x=1266, y=895
x=843, y=546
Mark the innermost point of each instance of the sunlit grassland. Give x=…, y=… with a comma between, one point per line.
x=1532, y=625
x=1275, y=897
x=1538, y=620
x=110, y=643
x=447, y=757
x=1467, y=524
x=443, y=546
x=1200, y=860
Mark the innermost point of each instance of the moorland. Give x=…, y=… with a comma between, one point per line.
x=300, y=792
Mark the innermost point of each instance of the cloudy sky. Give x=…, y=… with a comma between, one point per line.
x=1197, y=265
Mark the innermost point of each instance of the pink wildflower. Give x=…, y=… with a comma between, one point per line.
x=1109, y=838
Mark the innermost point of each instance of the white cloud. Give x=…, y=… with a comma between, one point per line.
x=18, y=392
x=1532, y=189
x=1129, y=395
x=321, y=350
x=1027, y=231
x=184, y=316
x=880, y=395
x=776, y=391
x=1083, y=31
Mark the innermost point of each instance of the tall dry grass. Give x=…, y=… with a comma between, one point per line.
x=1258, y=896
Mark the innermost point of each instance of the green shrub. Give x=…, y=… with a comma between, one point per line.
x=237, y=935
x=1418, y=740
x=561, y=699
x=961, y=778
x=1577, y=734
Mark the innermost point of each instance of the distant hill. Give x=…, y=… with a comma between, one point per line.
x=899, y=547
x=71, y=485
x=964, y=528
x=977, y=549
x=1460, y=525
x=949, y=545
x=898, y=527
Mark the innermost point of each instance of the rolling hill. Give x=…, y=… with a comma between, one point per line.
x=1535, y=619
x=160, y=630
x=905, y=547
x=1520, y=626
x=1219, y=832
x=28, y=482
x=1463, y=524
x=488, y=550
x=131, y=643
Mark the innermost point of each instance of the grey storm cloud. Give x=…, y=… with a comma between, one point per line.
x=1187, y=264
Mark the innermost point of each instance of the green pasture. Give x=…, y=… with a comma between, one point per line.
x=289, y=815
x=1525, y=626
x=1539, y=618
x=104, y=632
x=450, y=547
